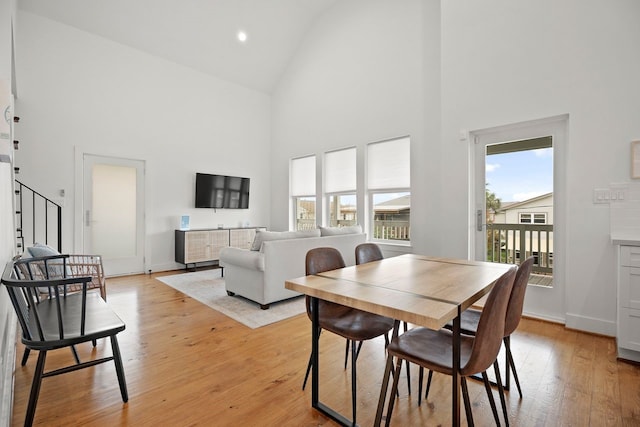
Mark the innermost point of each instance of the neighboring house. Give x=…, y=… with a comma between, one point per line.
x=537, y=210
x=391, y=219
x=394, y=209
x=533, y=218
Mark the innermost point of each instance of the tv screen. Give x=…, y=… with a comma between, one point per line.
x=221, y=191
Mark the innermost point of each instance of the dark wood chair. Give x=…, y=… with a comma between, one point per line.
x=353, y=324
x=433, y=349
x=60, y=320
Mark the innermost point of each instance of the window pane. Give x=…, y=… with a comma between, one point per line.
x=391, y=216
x=340, y=171
x=305, y=213
x=525, y=218
x=342, y=210
x=540, y=218
x=114, y=230
x=303, y=176
x=388, y=164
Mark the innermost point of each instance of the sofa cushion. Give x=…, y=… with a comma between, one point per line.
x=263, y=236
x=334, y=231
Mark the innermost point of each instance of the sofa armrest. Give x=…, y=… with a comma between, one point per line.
x=253, y=260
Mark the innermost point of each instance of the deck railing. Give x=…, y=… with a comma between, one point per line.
x=382, y=229
x=391, y=230
x=513, y=243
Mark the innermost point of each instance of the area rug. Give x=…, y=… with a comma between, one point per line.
x=207, y=287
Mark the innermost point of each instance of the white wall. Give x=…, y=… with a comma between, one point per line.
x=364, y=73
x=505, y=62
x=8, y=321
x=368, y=70
x=473, y=66
x=82, y=92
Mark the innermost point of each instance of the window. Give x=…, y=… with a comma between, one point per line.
x=532, y=218
x=340, y=187
x=303, y=189
x=389, y=187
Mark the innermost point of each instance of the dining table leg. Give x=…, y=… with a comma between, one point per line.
x=315, y=339
x=385, y=379
x=455, y=377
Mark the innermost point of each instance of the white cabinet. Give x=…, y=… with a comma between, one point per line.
x=629, y=302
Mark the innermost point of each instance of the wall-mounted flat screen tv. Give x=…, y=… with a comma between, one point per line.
x=221, y=191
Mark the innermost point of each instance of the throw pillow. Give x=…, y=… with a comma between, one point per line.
x=334, y=231
x=55, y=267
x=263, y=236
x=40, y=250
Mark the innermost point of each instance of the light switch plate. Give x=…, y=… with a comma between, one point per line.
x=601, y=196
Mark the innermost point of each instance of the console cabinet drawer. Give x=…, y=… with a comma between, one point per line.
x=196, y=246
x=242, y=237
x=200, y=246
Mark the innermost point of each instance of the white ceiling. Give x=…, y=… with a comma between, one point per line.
x=200, y=34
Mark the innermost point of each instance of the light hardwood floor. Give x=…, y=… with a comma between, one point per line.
x=187, y=364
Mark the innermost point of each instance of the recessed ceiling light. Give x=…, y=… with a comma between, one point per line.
x=242, y=36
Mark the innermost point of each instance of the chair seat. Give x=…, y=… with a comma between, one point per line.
x=100, y=322
x=356, y=325
x=430, y=349
x=468, y=321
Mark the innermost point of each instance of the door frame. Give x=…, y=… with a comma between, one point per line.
x=79, y=208
x=540, y=302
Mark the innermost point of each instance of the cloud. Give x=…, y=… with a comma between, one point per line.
x=543, y=152
x=490, y=167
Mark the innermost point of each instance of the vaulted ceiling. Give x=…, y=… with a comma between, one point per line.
x=201, y=34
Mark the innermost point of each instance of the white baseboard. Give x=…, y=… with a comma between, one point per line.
x=591, y=324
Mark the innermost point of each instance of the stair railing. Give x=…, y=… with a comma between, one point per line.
x=33, y=218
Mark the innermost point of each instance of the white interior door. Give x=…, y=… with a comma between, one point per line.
x=543, y=302
x=113, y=213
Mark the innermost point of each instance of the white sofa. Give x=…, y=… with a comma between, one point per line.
x=259, y=275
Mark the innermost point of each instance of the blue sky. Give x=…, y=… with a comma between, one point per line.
x=518, y=176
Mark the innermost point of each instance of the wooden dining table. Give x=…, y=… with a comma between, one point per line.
x=421, y=290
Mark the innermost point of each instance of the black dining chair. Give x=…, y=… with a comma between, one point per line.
x=433, y=350
x=350, y=323
x=58, y=321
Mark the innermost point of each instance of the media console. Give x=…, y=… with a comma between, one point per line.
x=204, y=245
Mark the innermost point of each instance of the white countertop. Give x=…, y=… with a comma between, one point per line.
x=627, y=238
